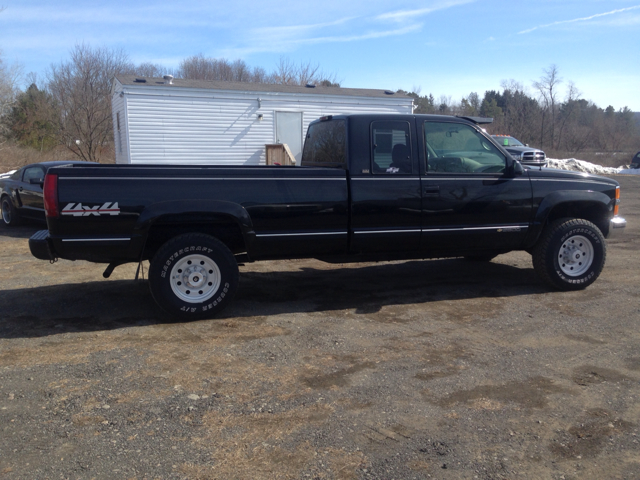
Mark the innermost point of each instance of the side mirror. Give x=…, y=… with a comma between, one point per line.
x=516, y=169
x=36, y=181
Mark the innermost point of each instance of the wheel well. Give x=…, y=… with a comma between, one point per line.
x=595, y=212
x=166, y=228
x=6, y=196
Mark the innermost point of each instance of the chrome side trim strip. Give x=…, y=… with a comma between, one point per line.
x=507, y=228
x=359, y=232
x=391, y=177
x=96, y=239
x=299, y=234
x=216, y=179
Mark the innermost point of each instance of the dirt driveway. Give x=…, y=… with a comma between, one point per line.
x=420, y=369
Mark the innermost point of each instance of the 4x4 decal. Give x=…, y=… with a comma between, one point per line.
x=79, y=210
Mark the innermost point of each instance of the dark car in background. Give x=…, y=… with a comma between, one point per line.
x=635, y=161
x=524, y=153
x=21, y=192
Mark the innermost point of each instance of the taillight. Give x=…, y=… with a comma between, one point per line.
x=50, y=191
x=617, y=204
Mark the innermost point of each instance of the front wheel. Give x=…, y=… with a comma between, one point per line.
x=570, y=254
x=193, y=276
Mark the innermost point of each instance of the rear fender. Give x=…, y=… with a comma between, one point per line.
x=190, y=209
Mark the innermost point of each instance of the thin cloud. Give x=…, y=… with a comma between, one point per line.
x=403, y=15
x=289, y=37
x=292, y=30
x=286, y=44
x=582, y=19
x=366, y=36
x=270, y=39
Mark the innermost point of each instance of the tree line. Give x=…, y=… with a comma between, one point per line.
x=566, y=125
x=70, y=105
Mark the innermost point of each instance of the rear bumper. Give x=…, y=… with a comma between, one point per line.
x=41, y=246
x=103, y=249
x=616, y=226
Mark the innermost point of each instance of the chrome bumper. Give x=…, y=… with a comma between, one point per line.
x=616, y=226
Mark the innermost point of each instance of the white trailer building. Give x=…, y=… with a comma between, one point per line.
x=158, y=120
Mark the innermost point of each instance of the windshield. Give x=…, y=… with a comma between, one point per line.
x=508, y=141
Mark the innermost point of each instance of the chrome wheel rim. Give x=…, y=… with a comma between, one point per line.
x=575, y=256
x=195, y=278
x=6, y=212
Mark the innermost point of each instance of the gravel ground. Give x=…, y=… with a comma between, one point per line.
x=422, y=369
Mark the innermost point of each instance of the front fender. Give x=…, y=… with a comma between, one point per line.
x=586, y=201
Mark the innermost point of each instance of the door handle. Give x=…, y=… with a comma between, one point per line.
x=432, y=192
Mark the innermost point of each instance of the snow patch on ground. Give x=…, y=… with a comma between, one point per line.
x=576, y=165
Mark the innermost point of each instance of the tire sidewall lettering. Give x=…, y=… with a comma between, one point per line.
x=596, y=243
x=225, y=289
x=217, y=252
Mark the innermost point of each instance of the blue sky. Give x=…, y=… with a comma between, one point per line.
x=443, y=47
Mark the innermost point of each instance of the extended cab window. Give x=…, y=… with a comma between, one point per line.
x=459, y=148
x=391, y=148
x=325, y=144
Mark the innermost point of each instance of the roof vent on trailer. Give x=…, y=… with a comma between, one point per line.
x=168, y=79
x=310, y=85
x=140, y=80
x=389, y=92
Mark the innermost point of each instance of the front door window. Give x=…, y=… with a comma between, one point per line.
x=459, y=148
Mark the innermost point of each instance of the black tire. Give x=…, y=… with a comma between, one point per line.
x=10, y=216
x=193, y=276
x=570, y=254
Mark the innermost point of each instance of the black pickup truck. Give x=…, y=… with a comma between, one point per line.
x=371, y=187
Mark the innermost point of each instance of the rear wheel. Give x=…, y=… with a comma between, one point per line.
x=10, y=216
x=570, y=254
x=193, y=276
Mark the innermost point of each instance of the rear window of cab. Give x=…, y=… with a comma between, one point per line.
x=325, y=144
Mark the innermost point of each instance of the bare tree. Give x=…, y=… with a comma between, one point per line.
x=289, y=73
x=148, y=69
x=199, y=67
x=81, y=89
x=470, y=105
x=568, y=111
x=521, y=112
x=445, y=105
x=547, y=87
x=10, y=76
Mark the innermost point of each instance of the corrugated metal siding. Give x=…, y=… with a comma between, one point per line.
x=224, y=130
x=120, y=141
